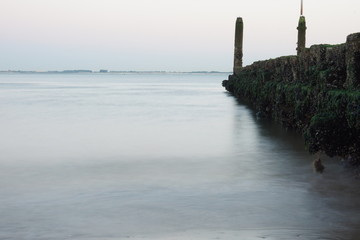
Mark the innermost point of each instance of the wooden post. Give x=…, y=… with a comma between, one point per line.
x=238, y=52
x=301, y=35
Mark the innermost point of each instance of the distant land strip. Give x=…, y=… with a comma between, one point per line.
x=107, y=71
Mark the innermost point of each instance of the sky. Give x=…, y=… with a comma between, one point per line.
x=163, y=35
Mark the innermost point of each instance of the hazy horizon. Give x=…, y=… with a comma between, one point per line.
x=66, y=71
x=139, y=35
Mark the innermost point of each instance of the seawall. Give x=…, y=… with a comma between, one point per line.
x=316, y=92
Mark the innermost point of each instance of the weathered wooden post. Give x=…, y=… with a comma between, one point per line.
x=238, y=52
x=301, y=35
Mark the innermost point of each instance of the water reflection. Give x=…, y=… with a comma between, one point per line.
x=288, y=197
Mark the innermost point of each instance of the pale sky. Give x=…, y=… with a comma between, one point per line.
x=169, y=35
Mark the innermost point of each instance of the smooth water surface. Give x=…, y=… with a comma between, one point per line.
x=157, y=156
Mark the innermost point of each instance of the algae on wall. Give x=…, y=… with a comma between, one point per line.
x=316, y=92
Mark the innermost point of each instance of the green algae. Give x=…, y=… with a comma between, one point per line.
x=326, y=115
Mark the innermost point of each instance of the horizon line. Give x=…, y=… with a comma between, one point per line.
x=107, y=71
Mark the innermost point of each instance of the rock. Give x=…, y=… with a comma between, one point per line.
x=318, y=166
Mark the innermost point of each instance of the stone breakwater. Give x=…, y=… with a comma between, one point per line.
x=316, y=92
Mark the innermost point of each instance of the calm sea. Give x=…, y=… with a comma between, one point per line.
x=158, y=156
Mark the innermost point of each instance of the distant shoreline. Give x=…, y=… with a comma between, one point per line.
x=109, y=72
